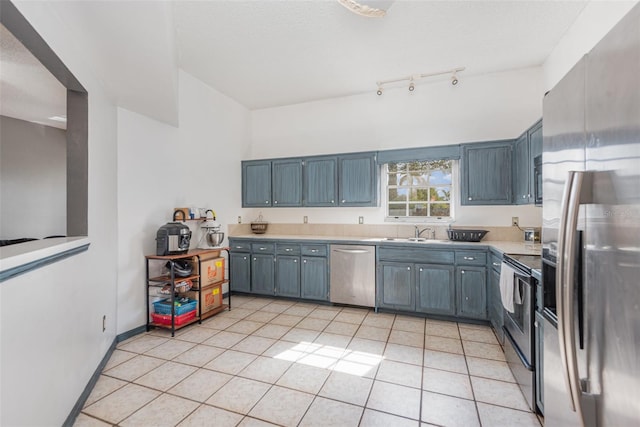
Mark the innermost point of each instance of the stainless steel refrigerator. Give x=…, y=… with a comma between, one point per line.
x=591, y=236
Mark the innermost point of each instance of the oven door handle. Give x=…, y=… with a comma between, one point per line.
x=524, y=278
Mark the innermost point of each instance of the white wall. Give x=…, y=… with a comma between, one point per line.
x=486, y=107
x=161, y=167
x=33, y=180
x=51, y=336
x=595, y=21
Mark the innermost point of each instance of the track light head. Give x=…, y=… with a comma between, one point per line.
x=411, y=85
x=379, y=91
x=454, y=80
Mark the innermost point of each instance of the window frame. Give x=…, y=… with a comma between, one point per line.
x=455, y=189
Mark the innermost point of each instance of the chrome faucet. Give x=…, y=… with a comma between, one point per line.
x=418, y=232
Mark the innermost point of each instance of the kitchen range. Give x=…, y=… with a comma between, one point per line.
x=518, y=291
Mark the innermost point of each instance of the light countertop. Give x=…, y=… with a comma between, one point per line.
x=508, y=247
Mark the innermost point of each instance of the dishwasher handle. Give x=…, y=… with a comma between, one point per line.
x=352, y=251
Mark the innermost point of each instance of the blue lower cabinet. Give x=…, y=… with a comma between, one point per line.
x=436, y=289
x=287, y=276
x=240, y=272
x=471, y=287
x=396, y=288
x=314, y=278
x=262, y=273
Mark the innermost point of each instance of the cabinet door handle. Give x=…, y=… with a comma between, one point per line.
x=409, y=268
x=528, y=195
x=288, y=249
x=244, y=257
x=275, y=202
x=466, y=298
x=266, y=201
x=343, y=200
x=305, y=261
x=420, y=268
x=295, y=261
x=332, y=201
x=314, y=250
x=470, y=198
x=496, y=264
x=462, y=272
x=262, y=249
x=469, y=258
x=255, y=259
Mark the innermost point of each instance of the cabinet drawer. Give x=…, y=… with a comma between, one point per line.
x=314, y=250
x=236, y=246
x=471, y=258
x=268, y=248
x=288, y=249
x=416, y=255
x=496, y=262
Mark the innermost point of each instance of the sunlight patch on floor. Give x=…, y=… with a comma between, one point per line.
x=330, y=357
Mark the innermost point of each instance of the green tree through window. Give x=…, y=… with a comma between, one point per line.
x=419, y=189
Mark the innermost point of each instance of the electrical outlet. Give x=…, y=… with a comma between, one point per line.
x=239, y=219
x=104, y=323
x=515, y=221
x=305, y=219
x=360, y=220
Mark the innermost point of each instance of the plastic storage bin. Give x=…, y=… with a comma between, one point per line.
x=165, y=319
x=164, y=307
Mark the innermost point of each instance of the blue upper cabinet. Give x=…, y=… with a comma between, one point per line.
x=521, y=190
x=320, y=181
x=287, y=182
x=535, y=150
x=256, y=183
x=357, y=180
x=486, y=173
x=526, y=148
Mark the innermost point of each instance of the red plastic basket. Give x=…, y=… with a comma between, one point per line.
x=165, y=319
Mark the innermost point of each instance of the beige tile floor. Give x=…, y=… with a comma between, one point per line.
x=272, y=362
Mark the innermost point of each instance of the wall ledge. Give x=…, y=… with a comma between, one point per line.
x=25, y=257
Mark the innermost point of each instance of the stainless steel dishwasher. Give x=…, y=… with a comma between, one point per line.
x=353, y=275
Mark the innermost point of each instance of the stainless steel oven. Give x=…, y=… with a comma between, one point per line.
x=519, y=325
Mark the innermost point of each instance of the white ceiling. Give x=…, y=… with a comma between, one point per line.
x=278, y=52
x=29, y=91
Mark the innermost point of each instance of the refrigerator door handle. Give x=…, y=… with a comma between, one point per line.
x=560, y=280
x=577, y=195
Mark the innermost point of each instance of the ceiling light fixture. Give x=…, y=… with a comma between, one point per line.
x=454, y=78
x=368, y=8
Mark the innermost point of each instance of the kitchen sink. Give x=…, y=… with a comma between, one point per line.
x=412, y=240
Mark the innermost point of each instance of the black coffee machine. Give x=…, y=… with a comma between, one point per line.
x=173, y=238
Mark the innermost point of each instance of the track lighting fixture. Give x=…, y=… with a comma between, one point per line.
x=454, y=79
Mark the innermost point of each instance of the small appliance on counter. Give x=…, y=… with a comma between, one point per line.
x=212, y=237
x=532, y=235
x=174, y=237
